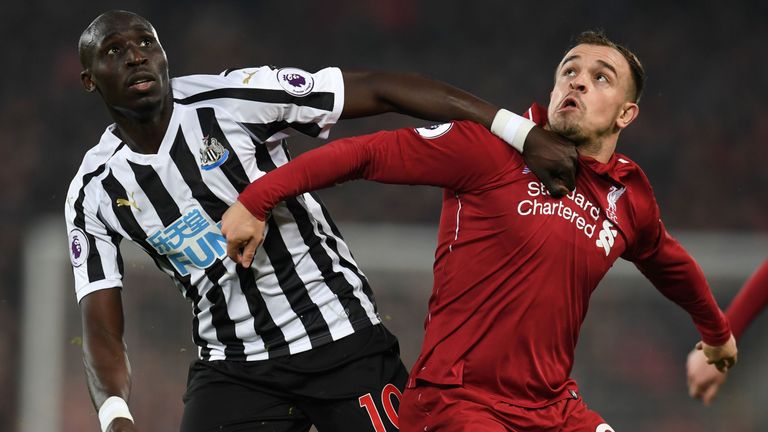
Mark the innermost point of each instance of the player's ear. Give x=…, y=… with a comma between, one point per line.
x=628, y=113
x=88, y=84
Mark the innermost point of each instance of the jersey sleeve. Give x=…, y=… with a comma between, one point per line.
x=671, y=269
x=93, y=249
x=750, y=301
x=270, y=103
x=461, y=156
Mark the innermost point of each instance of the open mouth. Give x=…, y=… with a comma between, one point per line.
x=569, y=103
x=141, y=82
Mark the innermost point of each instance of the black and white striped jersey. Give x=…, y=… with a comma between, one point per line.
x=304, y=288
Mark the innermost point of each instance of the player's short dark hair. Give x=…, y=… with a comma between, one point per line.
x=598, y=37
x=91, y=34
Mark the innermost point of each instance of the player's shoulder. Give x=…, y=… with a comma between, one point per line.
x=630, y=172
x=465, y=128
x=95, y=159
x=292, y=80
x=189, y=85
x=632, y=176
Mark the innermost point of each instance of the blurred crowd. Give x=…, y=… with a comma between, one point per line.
x=700, y=136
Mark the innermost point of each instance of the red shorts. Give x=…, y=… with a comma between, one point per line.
x=457, y=409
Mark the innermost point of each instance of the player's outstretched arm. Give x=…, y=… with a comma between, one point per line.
x=551, y=157
x=108, y=371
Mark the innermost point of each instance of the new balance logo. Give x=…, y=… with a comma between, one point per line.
x=606, y=237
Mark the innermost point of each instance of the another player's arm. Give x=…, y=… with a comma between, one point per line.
x=750, y=301
x=108, y=371
x=551, y=157
x=704, y=380
x=398, y=157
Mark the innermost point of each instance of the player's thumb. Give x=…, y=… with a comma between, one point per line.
x=699, y=345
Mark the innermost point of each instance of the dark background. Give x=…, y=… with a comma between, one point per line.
x=701, y=136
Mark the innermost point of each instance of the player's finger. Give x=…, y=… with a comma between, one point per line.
x=569, y=179
x=709, y=394
x=721, y=365
x=233, y=250
x=558, y=191
x=553, y=185
x=694, y=390
x=699, y=345
x=249, y=251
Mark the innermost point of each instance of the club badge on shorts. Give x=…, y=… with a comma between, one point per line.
x=295, y=81
x=212, y=154
x=78, y=247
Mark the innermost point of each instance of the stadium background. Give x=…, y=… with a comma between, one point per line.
x=701, y=139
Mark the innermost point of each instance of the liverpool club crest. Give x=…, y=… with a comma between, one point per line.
x=212, y=154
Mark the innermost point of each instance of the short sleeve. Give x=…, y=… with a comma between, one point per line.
x=272, y=103
x=93, y=250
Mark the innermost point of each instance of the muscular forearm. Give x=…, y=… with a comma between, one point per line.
x=751, y=299
x=676, y=275
x=107, y=368
x=104, y=353
x=370, y=93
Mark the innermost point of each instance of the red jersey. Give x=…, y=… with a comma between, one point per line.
x=514, y=268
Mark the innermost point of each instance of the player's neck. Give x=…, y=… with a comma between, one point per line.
x=600, y=150
x=143, y=133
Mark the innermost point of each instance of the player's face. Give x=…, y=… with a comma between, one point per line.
x=128, y=67
x=590, y=99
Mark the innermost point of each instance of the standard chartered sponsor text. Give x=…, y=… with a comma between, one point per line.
x=562, y=208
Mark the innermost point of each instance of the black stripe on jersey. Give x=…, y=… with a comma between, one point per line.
x=169, y=212
x=319, y=100
x=131, y=226
x=263, y=324
x=293, y=287
x=188, y=167
x=158, y=196
x=344, y=263
x=263, y=131
x=333, y=279
x=95, y=269
x=194, y=297
x=232, y=168
x=234, y=348
x=235, y=173
x=230, y=70
x=115, y=238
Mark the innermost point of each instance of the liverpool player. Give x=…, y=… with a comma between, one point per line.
x=704, y=381
x=514, y=268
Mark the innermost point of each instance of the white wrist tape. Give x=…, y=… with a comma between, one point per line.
x=512, y=128
x=111, y=409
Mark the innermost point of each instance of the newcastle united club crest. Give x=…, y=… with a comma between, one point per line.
x=212, y=154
